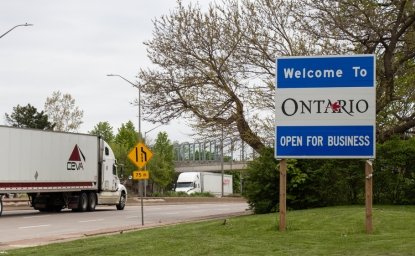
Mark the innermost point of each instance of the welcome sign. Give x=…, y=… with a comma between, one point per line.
x=325, y=107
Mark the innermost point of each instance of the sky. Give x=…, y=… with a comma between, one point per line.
x=71, y=48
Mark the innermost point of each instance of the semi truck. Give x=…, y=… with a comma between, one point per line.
x=193, y=182
x=59, y=170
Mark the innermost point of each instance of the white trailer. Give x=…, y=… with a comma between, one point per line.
x=59, y=170
x=193, y=182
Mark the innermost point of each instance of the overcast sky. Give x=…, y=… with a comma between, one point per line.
x=71, y=48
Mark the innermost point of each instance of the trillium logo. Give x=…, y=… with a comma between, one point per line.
x=76, y=160
x=335, y=106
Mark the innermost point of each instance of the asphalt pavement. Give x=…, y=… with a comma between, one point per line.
x=23, y=203
x=159, y=212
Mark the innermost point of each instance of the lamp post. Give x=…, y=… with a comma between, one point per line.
x=139, y=100
x=21, y=25
x=144, y=189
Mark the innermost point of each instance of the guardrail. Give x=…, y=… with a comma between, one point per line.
x=211, y=150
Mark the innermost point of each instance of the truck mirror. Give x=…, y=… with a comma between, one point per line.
x=121, y=171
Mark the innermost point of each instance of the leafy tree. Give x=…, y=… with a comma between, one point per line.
x=103, y=129
x=28, y=117
x=121, y=154
x=124, y=141
x=395, y=172
x=63, y=112
x=127, y=135
x=161, y=166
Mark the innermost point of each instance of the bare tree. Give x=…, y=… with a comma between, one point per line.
x=383, y=27
x=212, y=67
x=216, y=67
x=62, y=111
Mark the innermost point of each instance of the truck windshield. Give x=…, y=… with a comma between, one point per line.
x=184, y=184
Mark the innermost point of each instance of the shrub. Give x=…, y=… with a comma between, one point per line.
x=261, y=183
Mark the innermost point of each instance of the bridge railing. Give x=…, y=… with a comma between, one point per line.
x=234, y=150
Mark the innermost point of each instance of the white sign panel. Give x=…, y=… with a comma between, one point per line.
x=325, y=107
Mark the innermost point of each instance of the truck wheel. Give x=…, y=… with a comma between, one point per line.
x=92, y=201
x=83, y=202
x=121, y=204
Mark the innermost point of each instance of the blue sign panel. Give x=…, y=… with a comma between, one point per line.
x=327, y=141
x=317, y=72
x=325, y=107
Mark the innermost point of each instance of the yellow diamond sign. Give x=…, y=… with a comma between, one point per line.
x=140, y=155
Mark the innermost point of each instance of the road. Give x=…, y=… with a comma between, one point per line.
x=21, y=228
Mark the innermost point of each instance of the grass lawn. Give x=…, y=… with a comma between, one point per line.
x=323, y=231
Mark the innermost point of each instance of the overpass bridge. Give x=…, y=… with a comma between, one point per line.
x=200, y=156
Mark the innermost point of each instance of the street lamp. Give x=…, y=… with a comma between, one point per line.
x=145, y=133
x=21, y=25
x=139, y=99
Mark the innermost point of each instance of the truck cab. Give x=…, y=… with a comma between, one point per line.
x=111, y=189
x=110, y=180
x=188, y=182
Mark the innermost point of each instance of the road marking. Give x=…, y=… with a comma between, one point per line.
x=196, y=211
x=38, y=226
x=132, y=217
x=192, y=207
x=157, y=208
x=172, y=213
x=85, y=221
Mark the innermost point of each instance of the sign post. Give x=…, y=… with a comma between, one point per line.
x=325, y=108
x=283, y=194
x=368, y=196
x=139, y=156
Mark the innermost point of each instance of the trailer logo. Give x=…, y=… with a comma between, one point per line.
x=75, y=162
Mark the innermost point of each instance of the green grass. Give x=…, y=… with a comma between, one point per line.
x=323, y=231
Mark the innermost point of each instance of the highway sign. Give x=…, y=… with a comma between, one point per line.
x=141, y=175
x=325, y=107
x=140, y=155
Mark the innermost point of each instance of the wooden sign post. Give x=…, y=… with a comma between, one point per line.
x=368, y=195
x=283, y=194
x=303, y=85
